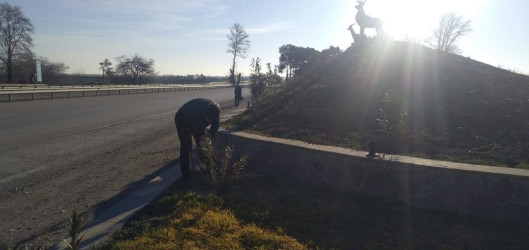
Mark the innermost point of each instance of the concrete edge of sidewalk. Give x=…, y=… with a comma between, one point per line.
x=112, y=219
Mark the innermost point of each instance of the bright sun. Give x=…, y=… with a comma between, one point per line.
x=415, y=19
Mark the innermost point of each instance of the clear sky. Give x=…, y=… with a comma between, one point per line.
x=189, y=36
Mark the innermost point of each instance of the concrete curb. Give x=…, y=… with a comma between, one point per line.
x=104, y=224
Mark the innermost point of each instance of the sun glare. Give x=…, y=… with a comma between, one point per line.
x=416, y=19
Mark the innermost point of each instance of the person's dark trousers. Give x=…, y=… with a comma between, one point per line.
x=185, y=149
x=237, y=99
x=186, y=146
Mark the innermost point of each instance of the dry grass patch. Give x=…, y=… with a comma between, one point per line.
x=196, y=219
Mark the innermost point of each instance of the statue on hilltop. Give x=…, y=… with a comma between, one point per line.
x=357, y=38
x=365, y=21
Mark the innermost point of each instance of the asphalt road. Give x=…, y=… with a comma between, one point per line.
x=27, y=122
x=79, y=154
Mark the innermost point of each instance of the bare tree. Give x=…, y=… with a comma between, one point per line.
x=105, y=67
x=54, y=71
x=450, y=28
x=23, y=67
x=15, y=35
x=238, y=43
x=135, y=67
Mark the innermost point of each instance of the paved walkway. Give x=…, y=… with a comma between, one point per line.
x=106, y=223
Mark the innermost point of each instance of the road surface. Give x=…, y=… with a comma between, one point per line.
x=83, y=154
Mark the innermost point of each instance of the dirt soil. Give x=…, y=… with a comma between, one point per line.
x=411, y=99
x=84, y=172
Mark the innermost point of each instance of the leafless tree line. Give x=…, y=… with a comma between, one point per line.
x=17, y=59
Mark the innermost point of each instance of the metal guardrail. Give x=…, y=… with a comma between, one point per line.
x=72, y=93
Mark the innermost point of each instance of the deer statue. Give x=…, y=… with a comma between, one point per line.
x=357, y=38
x=365, y=21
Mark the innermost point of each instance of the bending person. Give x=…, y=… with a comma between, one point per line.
x=191, y=120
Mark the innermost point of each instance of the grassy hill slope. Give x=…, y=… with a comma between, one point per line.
x=438, y=105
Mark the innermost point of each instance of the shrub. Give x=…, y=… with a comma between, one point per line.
x=263, y=84
x=258, y=85
x=393, y=114
x=219, y=171
x=74, y=231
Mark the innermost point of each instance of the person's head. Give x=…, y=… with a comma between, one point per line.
x=212, y=112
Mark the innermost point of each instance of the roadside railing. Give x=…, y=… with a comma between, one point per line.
x=72, y=93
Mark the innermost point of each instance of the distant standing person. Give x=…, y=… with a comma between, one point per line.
x=191, y=120
x=238, y=94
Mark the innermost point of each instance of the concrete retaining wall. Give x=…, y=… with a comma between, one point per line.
x=486, y=192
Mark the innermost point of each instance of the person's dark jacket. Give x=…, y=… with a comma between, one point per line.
x=191, y=117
